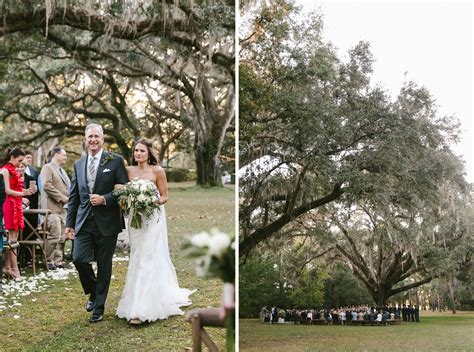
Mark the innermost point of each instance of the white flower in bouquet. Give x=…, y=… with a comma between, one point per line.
x=216, y=252
x=219, y=243
x=144, y=187
x=201, y=239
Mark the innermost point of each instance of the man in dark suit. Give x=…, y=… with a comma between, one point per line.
x=404, y=313
x=94, y=217
x=31, y=174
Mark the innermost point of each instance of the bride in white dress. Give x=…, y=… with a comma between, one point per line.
x=151, y=289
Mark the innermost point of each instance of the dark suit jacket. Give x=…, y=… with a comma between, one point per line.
x=108, y=217
x=26, y=184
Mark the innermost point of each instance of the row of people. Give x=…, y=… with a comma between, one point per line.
x=343, y=315
x=19, y=183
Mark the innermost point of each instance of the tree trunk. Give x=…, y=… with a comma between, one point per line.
x=207, y=165
x=452, y=293
x=380, y=295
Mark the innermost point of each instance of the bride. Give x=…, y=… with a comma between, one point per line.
x=151, y=289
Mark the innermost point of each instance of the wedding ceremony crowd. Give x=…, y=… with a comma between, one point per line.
x=22, y=188
x=355, y=315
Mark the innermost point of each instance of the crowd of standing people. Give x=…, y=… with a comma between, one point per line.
x=23, y=187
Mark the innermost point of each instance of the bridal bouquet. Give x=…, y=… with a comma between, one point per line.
x=138, y=198
x=216, y=252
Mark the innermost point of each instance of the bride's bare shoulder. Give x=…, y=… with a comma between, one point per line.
x=157, y=169
x=131, y=171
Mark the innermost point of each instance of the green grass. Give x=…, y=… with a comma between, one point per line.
x=435, y=332
x=57, y=319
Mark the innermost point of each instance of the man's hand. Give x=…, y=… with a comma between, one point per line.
x=69, y=233
x=96, y=199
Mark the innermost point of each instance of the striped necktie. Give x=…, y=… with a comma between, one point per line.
x=91, y=174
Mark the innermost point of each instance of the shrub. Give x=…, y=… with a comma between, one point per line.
x=180, y=175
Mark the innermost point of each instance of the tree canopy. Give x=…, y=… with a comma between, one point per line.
x=159, y=69
x=326, y=154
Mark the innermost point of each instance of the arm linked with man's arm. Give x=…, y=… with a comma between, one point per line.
x=121, y=177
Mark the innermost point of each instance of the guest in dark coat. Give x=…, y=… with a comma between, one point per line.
x=31, y=174
x=417, y=313
x=409, y=313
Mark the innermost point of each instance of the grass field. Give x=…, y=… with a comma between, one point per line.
x=435, y=332
x=55, y=319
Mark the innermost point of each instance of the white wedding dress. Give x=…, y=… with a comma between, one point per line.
x=151, y=289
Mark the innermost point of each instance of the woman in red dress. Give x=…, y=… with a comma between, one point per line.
x=12, y=208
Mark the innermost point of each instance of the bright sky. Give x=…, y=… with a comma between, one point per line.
x=432, y=42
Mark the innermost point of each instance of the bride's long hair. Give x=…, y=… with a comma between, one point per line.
x=152, y=158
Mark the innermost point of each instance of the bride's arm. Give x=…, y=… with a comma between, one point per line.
x=129, y=173
x=161, y=183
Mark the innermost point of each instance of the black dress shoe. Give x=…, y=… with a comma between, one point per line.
x=96, y=317
x=89, y=305
x=51, y=266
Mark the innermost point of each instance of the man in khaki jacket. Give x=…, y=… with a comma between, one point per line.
x=54, y=196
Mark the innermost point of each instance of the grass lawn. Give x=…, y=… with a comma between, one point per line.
x=55, y=319
x=435, y=332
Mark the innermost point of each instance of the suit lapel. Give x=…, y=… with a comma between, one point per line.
x=63, y=177
x=81, y=169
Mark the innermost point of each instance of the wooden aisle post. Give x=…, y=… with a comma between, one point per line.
x=199, y=318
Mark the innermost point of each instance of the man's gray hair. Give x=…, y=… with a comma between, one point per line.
x=94, y=125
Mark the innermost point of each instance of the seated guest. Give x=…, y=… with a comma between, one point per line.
x=398, y=313
x=335, y=316
x=327, y=316
x=342, y=316
x=385, y=315
x=379, y=317
x=372, y=315
x=360, y=316
x=354, y=315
